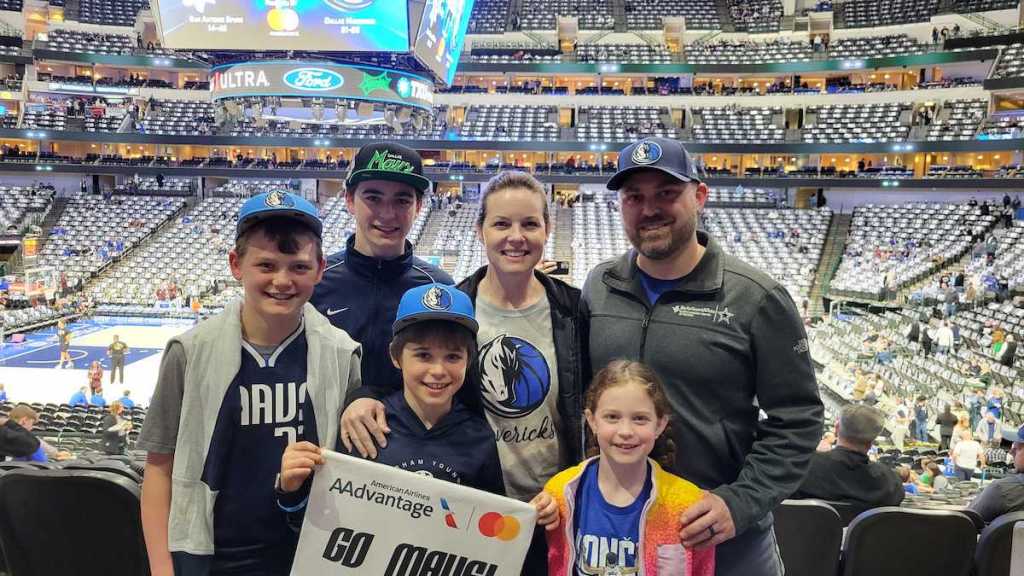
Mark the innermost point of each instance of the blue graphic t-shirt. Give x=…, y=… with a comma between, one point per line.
x=655, y=287
x=265, y=408
x=606, y=535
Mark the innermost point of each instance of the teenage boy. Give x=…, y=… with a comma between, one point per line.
x=233, y=392
x=363, y=283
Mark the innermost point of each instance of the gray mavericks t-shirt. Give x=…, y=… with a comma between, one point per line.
x=519, y=376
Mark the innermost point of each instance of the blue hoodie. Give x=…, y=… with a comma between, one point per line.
x=360, y=295
x=79, y=399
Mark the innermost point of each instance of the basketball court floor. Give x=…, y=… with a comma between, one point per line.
x=29, y=370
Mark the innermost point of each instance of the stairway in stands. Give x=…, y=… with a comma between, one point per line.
x=831, y=254
x=563, y=238
x=52, y=217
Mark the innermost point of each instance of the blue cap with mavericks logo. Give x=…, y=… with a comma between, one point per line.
x=388, y=161
x=435, y=302
x=663, y=154
x=278, y=203
x=1018, y=437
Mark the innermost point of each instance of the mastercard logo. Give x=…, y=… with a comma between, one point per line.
x=495, y=525
x=283, y=19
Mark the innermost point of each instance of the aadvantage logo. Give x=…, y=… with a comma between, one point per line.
x=388, y=162
x=316, y=79
x=373, y=83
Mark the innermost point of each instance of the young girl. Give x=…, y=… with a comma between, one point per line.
x=619, y=512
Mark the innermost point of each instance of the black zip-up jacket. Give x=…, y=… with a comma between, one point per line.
x=16, y=441
x=360, y=295
x=564, y=302
x=726, y=341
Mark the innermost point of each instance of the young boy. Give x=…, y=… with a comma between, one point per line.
x=437, y=425
x=233, y=392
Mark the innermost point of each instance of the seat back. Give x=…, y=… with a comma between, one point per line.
x=892, y=541
x=79, y=522
x=992, y=558
x=803, y=556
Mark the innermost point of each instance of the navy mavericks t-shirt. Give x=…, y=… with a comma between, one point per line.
x=265, y=408
x=606, y=535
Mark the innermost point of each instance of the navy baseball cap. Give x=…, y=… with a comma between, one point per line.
x=662, y=154
x=388, y=161
x=1018, y=437
x=278, y=203
x=435, y=302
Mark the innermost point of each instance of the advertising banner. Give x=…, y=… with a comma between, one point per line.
x=370, y=519
x=316, y=79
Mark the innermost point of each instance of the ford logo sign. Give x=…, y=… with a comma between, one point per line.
x=314, y=79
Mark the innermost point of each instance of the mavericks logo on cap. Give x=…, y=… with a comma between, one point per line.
x=646, y=153
x=278, y=199
x=437, y=299
x=388, y=161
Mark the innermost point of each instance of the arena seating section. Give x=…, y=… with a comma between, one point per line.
x=79, y=240
x=511, y=122
x=749, y=52
x=1011, y=62
x=543, y=14
x=737, y=125
x=835, y=123
x=646, y=15
x=873, y=13
x=1003, y=125
x=178, y=117
x=21, y=205
x=875, y=46
x=755, y=16
x=488, y=17
x=89, y=42
x=913, y=240
x=623, y=53
x=111, y=12
x=622, y=123
x=958, y=120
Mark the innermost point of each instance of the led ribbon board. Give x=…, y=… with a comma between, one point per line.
x=320, y=80
x=336, y=25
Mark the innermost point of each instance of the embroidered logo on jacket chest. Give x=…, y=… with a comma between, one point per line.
x=718, y=314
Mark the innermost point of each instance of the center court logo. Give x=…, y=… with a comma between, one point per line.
x=515, y=376
x=500, y=526
x=314, y=79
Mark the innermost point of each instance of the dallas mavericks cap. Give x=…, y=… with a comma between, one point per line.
x=278, y=203
x=435, y=302
x=388, y=161
x=1017, y=437
x=662, y=154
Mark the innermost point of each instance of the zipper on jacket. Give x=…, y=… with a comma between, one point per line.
x=641, y=559
x=643, y=331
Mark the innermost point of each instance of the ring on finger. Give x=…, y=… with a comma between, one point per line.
x=711, y=531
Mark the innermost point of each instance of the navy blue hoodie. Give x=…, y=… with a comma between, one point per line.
x=460, y=448
x=360, y=295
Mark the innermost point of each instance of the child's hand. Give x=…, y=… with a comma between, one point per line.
x=547, y=510
x=297, y=464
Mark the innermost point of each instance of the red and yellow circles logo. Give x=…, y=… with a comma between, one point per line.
x=495, y=525
x=283, y=19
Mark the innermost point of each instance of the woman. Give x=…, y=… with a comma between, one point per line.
x=115, y=429
x=967, y=455
x=95, y=376
x=529, y=343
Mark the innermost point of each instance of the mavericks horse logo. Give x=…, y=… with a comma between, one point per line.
x=514, y=375
x=646, y=152
x=437, y=298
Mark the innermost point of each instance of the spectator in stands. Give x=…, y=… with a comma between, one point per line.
x=995, y=402
x=921, y=419
x=845, y=474
x=97, y=399
x=907, y=478
x=278, y=260
x=115, y=429
x=989, y=430
x=900, y=423
x=95, y=375
x=946, y=421
x=127, y=402
x=16, y=439
x=117, y=351
x=3, y=393
x=80, y=398
x=1008, y=351
x=1004, y=495
x=660, y=194
x=384, y=193
x=943, y=338
x=976, y=403
x=967, y=455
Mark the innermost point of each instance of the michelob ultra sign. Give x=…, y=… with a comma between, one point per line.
x=374, y=520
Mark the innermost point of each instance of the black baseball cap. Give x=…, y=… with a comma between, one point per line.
x=388, y=161
x=662, y=154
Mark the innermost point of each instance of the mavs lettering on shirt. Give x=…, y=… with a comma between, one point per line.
x=274, y=404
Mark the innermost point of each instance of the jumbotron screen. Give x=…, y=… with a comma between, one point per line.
x=440, y=36
x=334, y=25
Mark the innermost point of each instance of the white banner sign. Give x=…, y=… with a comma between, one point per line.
x=370, y=519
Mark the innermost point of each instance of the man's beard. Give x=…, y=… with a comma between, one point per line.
x=668, y=241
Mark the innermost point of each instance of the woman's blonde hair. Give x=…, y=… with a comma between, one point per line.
x=512, y=179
